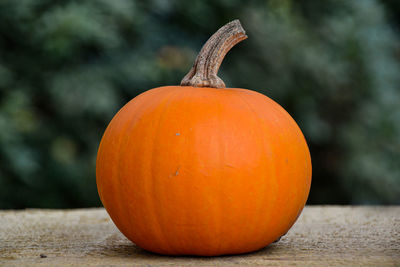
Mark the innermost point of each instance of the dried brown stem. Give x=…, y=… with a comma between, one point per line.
x=205, y=68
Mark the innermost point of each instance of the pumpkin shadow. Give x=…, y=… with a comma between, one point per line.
x=130, y=250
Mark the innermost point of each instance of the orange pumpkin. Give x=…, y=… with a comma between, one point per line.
x=199, y=169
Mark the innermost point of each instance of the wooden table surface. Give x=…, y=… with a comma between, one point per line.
x=322, y=236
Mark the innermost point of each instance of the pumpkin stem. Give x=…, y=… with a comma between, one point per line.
x=205, y=68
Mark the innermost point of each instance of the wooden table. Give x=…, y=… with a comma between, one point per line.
x=323, y=236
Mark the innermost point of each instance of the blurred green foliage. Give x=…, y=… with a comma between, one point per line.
x=66, y=67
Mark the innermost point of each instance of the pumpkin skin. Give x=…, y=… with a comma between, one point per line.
x=187, y=170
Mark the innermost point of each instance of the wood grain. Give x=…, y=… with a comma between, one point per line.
x=323, y=236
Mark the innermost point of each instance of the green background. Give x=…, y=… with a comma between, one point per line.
x=66, y=67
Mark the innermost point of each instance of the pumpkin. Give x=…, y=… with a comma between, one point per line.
x=200, y=169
